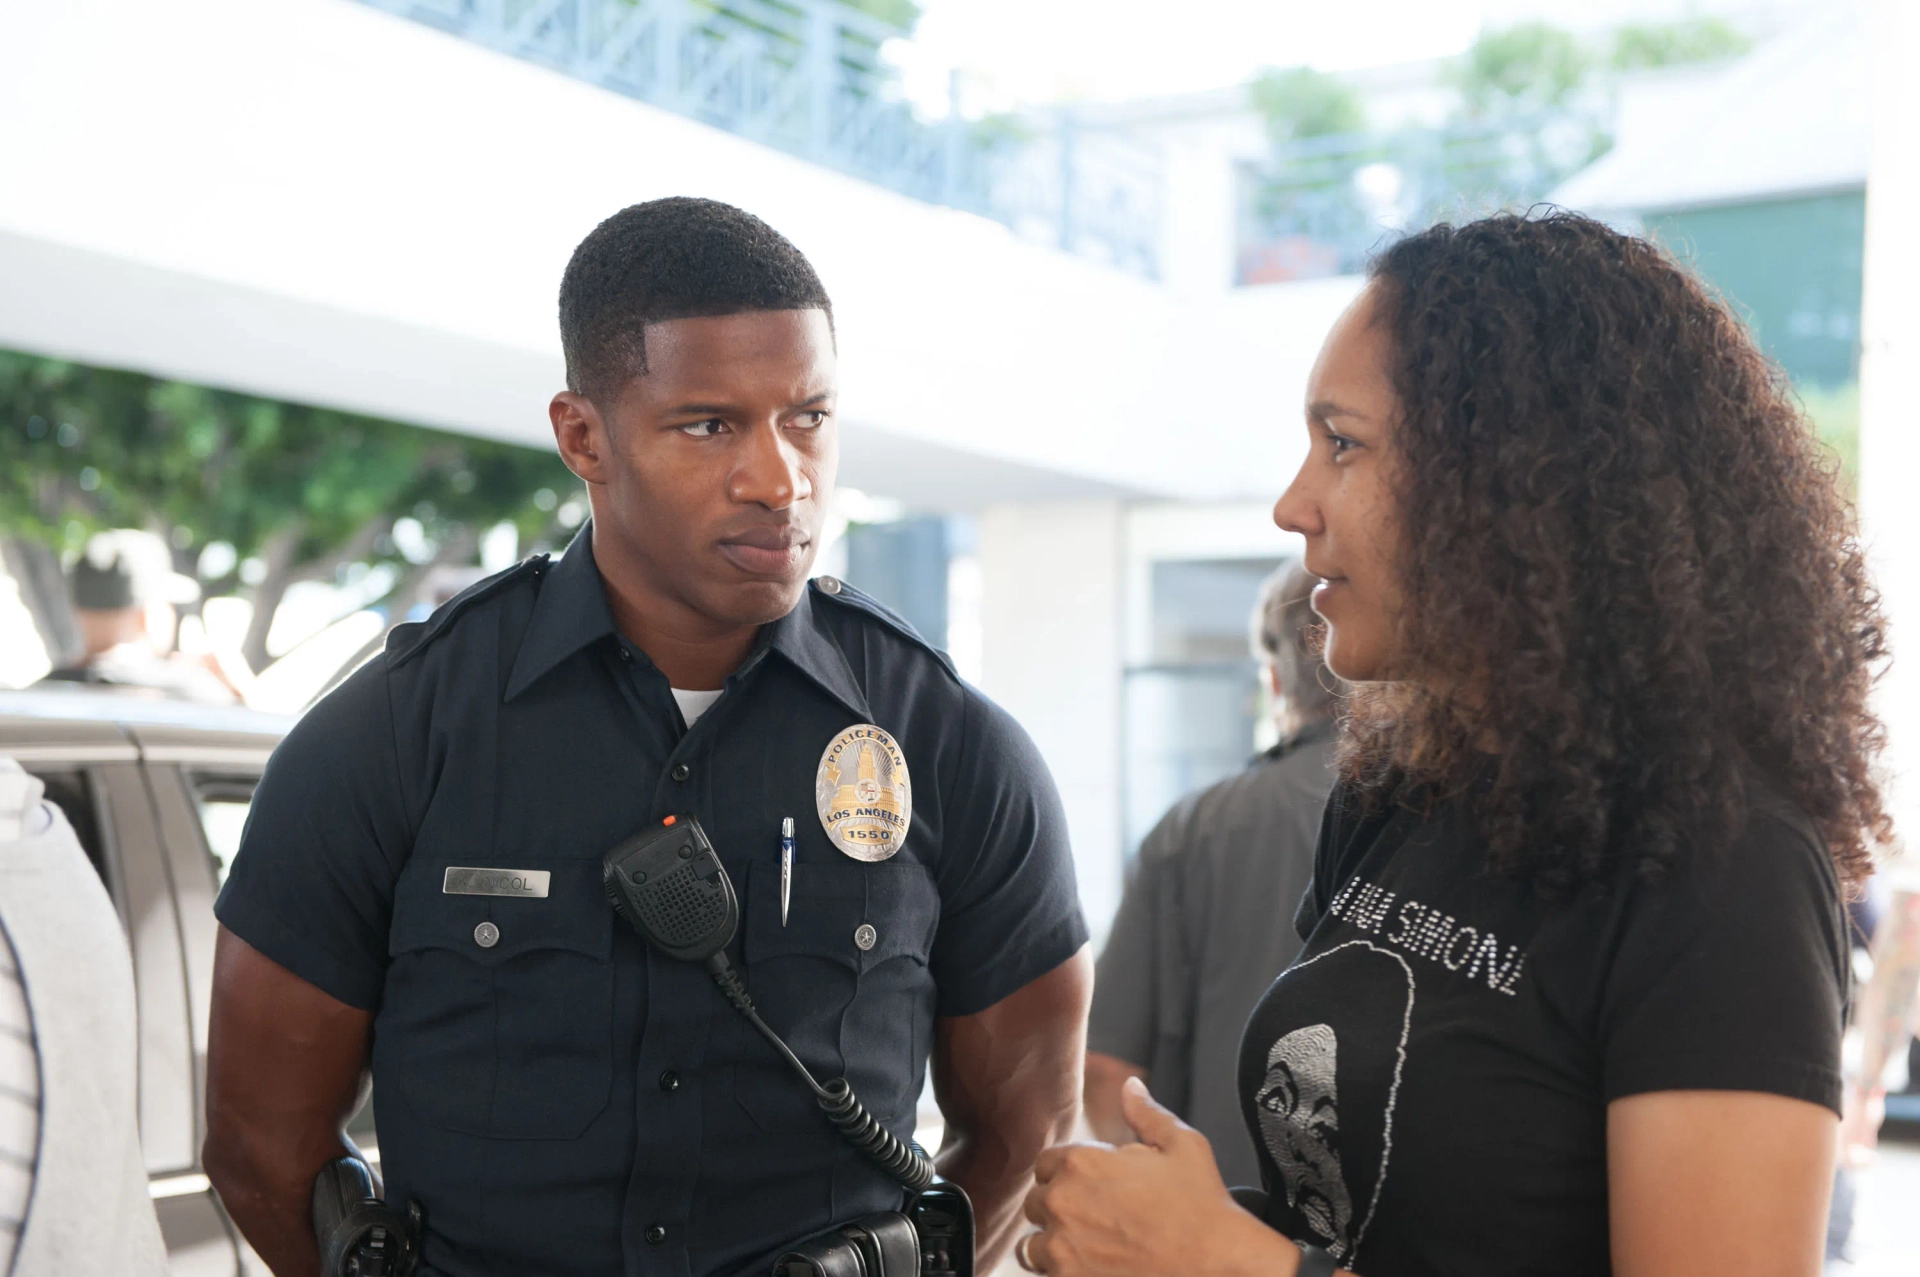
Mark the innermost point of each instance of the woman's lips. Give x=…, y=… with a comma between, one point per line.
x=1328, y=590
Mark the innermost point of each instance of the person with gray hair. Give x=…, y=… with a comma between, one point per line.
x=1204, y=924
x=1286, y=641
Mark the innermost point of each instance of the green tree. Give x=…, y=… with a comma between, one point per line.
x=1300, y=102
x=1835, y=416
x=297, y=491
x=1642, y=45
x=1521, y=69
x=904, y=14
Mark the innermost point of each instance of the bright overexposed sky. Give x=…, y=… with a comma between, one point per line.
x=1111, y=50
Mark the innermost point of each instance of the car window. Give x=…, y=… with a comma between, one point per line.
x=72, y=793
x=223, y=802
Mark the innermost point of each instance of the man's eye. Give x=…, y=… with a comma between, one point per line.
x=811, y=420
x=704, y=429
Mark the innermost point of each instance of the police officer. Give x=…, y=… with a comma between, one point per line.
x=559, y=1098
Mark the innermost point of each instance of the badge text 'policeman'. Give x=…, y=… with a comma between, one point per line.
x=864, y=794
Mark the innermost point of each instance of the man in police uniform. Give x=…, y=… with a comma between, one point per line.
x=560, y=1099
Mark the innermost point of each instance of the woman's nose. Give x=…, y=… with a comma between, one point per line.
x=1297, y=511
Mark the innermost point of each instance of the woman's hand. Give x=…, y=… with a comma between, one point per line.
x=1153, y=1209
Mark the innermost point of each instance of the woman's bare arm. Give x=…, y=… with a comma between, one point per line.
x=1718, y=1184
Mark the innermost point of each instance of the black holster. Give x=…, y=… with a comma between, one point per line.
x=359, y=1234
x=932, y=1237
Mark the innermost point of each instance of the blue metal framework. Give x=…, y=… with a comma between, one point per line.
x=806, y=76
x=1321, y=205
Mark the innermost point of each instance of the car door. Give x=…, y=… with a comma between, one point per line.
x=202, y=785
x=96, y=778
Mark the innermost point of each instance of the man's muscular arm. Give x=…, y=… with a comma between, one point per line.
x=1008, y=1083
x=1106, y=1081
x=285, y=1064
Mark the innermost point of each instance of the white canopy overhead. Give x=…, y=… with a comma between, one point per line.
x=1792, y=118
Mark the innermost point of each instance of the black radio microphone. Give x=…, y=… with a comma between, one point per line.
x=670, y=885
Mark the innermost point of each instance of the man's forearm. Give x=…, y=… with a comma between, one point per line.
x=269, y=1194
x=993, y=1161
x=1008, y=1081
x=286, y=1068
x=1106, y=1074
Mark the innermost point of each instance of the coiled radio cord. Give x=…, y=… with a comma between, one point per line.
x=858, y=1127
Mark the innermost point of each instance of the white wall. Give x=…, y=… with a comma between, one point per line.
x=1050, y=616
x=1890, y=395
x=1162, y=533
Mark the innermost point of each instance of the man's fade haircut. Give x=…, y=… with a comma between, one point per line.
x=674, y=258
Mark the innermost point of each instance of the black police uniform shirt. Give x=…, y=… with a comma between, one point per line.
x=560, y=1099
x=1427, y=1084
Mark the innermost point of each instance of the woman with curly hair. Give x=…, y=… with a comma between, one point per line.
x=1575, y=962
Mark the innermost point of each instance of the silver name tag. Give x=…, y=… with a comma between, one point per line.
x=530, y=883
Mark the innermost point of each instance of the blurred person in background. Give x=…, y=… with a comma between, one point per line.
x=1195, y=944
x=73, y=1186
x=125, y=595
x=1889, y=1013
x=1576, y=956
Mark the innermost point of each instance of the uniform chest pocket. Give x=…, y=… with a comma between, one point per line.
x=845, y=982
x=499, y=1010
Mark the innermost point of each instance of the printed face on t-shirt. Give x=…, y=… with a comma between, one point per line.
x=1325, y=1106
x=1300, y=1119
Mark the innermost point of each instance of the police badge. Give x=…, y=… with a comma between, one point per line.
x=863, y=793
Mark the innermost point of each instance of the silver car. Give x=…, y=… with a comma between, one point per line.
x=158, y=792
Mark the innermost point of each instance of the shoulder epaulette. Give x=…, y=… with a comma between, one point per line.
x=406, y=641
x=834, y=590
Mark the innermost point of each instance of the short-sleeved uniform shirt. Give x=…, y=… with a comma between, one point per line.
x=561, y=1099
x=1203, y=930
x=1428, y=1082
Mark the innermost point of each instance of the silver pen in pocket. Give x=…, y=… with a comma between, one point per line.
x=786, y=866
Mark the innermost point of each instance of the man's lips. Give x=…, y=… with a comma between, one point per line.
x=766, y=551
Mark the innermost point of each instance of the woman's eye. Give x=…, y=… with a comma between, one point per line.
x=703, y=429
x=1341, y=444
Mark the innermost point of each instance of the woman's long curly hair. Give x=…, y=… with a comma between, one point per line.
x=1623, y=557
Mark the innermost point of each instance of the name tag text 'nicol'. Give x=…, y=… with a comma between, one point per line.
x=528, y=883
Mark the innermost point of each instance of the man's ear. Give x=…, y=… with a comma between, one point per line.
x=581, y=434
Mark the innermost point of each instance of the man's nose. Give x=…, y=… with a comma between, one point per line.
x=768, y=471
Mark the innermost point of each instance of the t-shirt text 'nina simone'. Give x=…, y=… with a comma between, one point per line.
x=1427, y=1084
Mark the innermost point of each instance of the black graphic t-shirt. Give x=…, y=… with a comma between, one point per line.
x=1427, y=1084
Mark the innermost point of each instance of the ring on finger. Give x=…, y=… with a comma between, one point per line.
x=1020, y=1252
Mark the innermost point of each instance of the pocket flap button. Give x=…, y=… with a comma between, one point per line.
x=865, y=937
x=486, y=935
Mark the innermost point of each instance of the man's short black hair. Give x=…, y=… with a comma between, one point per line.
x=675, y=258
